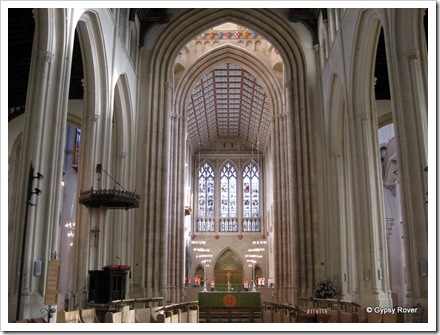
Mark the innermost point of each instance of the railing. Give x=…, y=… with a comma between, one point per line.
x=205, y=225
x=184, y=312
x=228, y=225
x=251, y=225
x=346, y=305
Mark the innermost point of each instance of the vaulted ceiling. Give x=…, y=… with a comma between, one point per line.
x=228, y=102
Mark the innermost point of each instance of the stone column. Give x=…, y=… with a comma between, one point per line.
x=43, y=146
x=408, y=71
x=410, y=116
x=176, y=248
x=370, y=217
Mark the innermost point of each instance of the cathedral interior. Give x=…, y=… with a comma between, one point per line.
x=217, y=149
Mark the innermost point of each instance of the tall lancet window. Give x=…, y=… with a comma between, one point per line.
x=251, y=198
x=228, y=199
x=228, y=191
x=205, y=203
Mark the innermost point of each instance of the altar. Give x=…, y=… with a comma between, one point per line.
x=230, y=306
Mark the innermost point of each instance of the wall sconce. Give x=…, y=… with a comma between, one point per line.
x=39, y=176
x=37, y=191
x=379, y=274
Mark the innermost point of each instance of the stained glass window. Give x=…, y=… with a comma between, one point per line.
x=228, y=195
x=251, y=191
x=206, y=191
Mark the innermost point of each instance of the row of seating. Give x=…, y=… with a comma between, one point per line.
x=283, y=313
x=138, y=315
x=187, y=312
x=88, y=315
x=77, y=316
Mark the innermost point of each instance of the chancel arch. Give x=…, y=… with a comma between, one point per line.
x=284, y=110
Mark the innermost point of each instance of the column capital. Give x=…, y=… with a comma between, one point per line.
x=168, y=85
x=364, y=117
x=280, y=115
x=289, y=85
x=316, y=48
x=175, y=116
x=46, y=56
x=94, y=118
x=413, y=55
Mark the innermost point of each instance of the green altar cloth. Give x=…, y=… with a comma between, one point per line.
x=229, y=299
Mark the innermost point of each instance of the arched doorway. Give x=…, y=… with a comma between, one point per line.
x=228, y=268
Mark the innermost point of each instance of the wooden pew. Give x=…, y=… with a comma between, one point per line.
x=88, y=315
x=128, y=316
x=68, y=316
x=143, y=315
x=115, y=317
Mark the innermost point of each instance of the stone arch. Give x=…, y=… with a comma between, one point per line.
x=123, y=112
x=230, y=161
x=336, y=110
x=291, y=209
x=206, y=161
x=93, y=150
x=199, y=272
x=276, y=31
x=371, y=253
x=338, y=229
x=228, y=266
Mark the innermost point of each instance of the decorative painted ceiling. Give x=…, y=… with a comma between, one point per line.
x=228, y=102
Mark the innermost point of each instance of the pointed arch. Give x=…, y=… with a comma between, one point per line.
x=228, y=189
x=291, y=111
x=371, y=252
x=228, y=267
x=96, y=99
x=336, y=108
x=123, y=112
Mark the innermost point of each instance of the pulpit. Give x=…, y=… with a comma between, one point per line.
x=108, y=284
